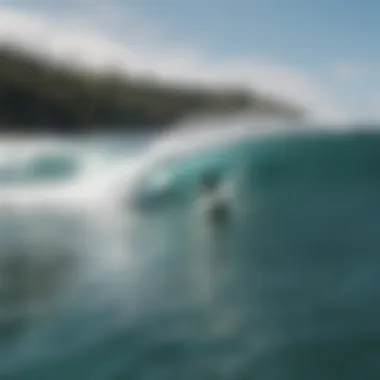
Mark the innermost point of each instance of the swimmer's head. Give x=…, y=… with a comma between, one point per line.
x=210, y=181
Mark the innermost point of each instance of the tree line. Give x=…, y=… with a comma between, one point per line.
x=38, y=95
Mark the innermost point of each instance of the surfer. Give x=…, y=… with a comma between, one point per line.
x=214, y=209
x=214, y=205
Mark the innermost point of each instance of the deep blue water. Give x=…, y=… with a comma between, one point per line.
x=288, y=289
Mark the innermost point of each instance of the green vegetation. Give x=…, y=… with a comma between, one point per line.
x=37, y=95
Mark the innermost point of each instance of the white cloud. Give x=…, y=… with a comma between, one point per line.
x=90, y=39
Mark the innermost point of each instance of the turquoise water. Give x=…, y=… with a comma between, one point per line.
x=288, y=290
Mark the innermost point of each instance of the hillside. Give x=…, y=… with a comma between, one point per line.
x=39, y=96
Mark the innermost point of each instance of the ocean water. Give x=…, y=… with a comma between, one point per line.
x=111, y=269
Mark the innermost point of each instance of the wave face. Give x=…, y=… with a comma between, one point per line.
x=113, y=270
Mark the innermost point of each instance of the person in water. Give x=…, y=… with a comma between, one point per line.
x=215, y=205
x=214, y=227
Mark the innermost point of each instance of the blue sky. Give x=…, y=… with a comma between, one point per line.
x=297, y=31
x=326, y=48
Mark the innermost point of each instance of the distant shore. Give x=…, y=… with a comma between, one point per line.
x=38, y=96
